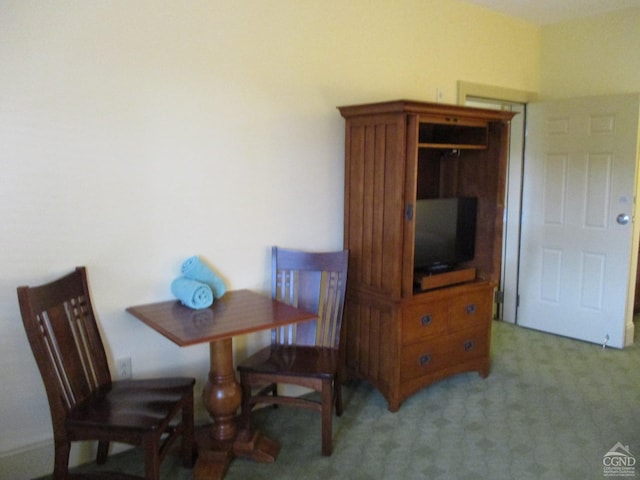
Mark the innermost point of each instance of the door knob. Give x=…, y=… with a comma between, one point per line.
x=623, y=219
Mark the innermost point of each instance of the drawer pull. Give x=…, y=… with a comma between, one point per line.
x=425, y=320
x=468, y=346
x=470, y=309
x=424, y=359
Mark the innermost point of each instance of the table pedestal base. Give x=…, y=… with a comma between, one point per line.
x=220, y=442
x=214, y=456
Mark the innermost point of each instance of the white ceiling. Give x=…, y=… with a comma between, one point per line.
x=544, y=12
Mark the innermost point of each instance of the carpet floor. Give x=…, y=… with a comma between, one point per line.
x=551, y=408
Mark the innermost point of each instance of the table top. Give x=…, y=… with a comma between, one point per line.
x=238, y=312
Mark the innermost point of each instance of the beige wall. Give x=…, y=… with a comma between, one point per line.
x=593, y=56
x=135, y=134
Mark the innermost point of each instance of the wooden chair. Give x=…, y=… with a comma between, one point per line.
x=85, y=403
x=304, y=354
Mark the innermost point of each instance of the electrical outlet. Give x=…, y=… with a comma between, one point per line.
x=123, y=368
x=439, y=95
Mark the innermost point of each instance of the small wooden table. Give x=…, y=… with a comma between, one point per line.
x=238, y=312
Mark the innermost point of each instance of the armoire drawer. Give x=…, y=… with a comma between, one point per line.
x=469, y=310
x=430, y=356
x=425, y=320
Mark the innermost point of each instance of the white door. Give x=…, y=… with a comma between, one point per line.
x=576, y=274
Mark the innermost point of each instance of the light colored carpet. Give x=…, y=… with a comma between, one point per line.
x=551, y=408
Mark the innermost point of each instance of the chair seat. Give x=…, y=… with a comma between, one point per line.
x=131, y=405
x=293, y=360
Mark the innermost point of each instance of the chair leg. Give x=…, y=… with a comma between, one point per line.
x=103, y=452
x=151, y=449
x=337, y=386
x=188, y=432
x=274, y=393
x=245, y=409
x=61, y=460
x=327, y=417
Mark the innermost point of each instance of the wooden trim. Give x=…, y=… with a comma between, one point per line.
x=413, y=106
x=470, y=89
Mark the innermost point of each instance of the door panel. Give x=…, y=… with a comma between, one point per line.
x=576, y=276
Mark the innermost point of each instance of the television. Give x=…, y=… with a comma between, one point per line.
x=445, y=233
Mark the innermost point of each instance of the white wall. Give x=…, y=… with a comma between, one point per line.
x=136, y=134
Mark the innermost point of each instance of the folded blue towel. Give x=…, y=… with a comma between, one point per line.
x=191, y=293
x=196, y=269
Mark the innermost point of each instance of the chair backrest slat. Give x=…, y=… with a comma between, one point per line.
x=315, y=282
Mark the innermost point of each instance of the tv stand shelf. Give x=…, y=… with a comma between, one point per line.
x=451, y=146
x=405, y=331
x=430, y=281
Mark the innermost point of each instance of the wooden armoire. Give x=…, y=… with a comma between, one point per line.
x=404, y=330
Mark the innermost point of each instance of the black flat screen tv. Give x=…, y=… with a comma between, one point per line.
x=445, y=233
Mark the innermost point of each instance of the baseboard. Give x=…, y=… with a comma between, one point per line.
x=36, y=460
x=25, y=463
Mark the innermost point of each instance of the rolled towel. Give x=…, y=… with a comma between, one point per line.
x=191, y=293
x=196, y=269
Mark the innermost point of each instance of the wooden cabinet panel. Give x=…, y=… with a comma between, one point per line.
x=370, y=340
x=373, y=225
